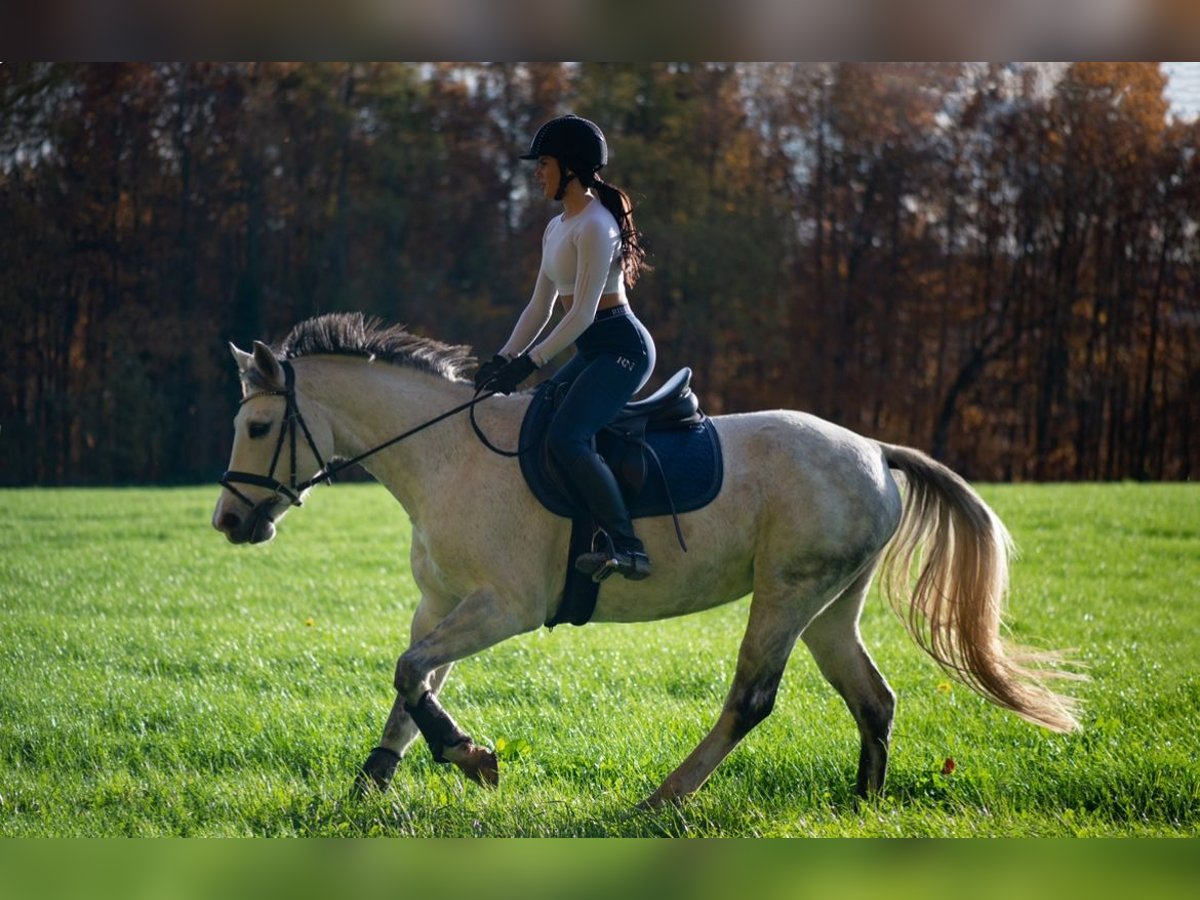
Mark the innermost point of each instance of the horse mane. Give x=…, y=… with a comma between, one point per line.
x=353, y=334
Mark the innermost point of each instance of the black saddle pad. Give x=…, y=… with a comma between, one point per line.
x=690, y=458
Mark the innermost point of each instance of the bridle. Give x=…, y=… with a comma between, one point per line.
x=293, y=423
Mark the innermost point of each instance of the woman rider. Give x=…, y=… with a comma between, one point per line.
x=590, y=253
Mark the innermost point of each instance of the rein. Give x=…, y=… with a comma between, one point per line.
x=483, y=438
x=293, y=418
x=325, y=473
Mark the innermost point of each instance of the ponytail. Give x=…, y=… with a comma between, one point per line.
x=617, y=202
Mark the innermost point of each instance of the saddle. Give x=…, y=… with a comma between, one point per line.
x=663, y=451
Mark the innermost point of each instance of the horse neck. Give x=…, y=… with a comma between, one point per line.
x=367, y=404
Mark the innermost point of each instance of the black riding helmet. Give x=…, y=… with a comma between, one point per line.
x=577, y=143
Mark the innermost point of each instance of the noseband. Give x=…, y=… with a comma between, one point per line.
x=293, y=422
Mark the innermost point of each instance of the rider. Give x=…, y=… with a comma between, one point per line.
x=590, y=252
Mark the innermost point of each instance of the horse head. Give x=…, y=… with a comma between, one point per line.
x=275, y=457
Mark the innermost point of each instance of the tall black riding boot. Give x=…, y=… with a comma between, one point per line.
x=625, y=553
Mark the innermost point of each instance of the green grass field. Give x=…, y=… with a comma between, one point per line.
x=155, y=680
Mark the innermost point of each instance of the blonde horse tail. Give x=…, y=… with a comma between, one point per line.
x=955, y=608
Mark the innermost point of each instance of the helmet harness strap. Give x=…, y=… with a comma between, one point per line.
x=568, y=172
x=565, y=177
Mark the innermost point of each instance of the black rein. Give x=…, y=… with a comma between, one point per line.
x=325, y=473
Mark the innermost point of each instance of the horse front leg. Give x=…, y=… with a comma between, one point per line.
x=398, y=734
x=478, y=622
x=399, y=731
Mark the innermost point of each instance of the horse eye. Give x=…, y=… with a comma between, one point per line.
x=260, y=429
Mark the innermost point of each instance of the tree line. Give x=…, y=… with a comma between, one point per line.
x=996, y=263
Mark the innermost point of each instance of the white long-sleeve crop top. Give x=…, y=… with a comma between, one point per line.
x=581, y=256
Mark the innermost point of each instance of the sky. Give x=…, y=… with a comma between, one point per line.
x=1183, y=88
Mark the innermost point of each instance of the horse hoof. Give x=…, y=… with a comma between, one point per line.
x=481, y=766
x=376, y=773
x=658, y=800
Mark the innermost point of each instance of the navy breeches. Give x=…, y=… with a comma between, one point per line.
x=613, y=360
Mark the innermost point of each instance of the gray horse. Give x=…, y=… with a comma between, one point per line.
x=807, y=514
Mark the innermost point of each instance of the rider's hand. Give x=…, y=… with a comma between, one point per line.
x=506, y=380
x=489, y=370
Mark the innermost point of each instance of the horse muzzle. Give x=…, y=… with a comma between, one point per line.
x=255, y=527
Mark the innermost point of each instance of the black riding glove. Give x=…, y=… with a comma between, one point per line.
x=488, y=371
x=506, y=380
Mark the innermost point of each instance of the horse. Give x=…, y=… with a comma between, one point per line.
x=807, y=515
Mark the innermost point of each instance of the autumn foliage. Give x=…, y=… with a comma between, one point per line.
x=994, y=263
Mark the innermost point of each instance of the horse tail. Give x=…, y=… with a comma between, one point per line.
x=955, y=609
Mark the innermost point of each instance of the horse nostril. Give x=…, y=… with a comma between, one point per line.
x=230, y=521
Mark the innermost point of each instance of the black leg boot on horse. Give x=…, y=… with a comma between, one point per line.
x=622, y=552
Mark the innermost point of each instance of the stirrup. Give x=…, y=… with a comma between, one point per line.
x=599, y=564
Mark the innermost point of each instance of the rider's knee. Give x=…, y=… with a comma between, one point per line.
x=564, y=444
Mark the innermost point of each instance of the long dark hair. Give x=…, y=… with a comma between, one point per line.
x=617, y=202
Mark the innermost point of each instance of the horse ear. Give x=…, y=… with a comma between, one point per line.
x=243, y=359
x=267, y=364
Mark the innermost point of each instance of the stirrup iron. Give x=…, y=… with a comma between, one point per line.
x=599, y=564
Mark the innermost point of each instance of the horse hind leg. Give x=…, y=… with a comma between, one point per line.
x=778, y=614
x=835, y=643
